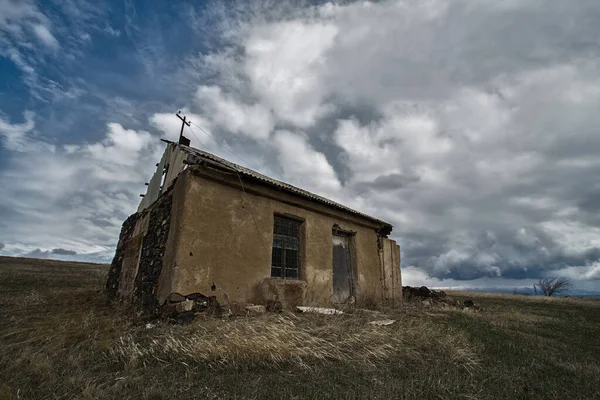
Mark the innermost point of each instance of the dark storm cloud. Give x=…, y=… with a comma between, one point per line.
x=64, y=252
x=510, y=256
x=389, y=182
x=588, y=200
x=37, y=253
x=393, y=181
x=102, y=222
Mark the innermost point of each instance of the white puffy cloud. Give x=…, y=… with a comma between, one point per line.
x=17, y=17
x=13, y=135
x=76, y=196
x=43, y=34
x=593, y=272
x=121, y=146
x=109, y=30
x=284, y=62
x=304, y=166
x=253, y=120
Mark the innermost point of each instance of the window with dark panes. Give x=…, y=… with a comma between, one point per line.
x=286, y=248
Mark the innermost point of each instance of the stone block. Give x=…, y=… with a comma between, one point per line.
x=175, y=298
x=184, y=306
x=255, y=309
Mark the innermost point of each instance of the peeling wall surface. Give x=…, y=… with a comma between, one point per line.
x=210, y=231
x=342, y=268
x=225, y=243
x=391, y=278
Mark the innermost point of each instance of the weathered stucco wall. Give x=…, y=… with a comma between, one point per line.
x=392, y=279
x=223, y=238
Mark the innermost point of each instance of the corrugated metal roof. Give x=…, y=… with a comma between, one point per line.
x=387, y=227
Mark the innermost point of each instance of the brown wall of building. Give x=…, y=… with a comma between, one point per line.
x=169, y=261
x=392, y=279
x=224, y=235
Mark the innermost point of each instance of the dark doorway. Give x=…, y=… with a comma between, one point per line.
x=342, y=281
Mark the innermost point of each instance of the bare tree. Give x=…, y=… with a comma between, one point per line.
x=552, y=285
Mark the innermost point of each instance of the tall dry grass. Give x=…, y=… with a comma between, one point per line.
x=283, y=340
x=73, y=344
x=60, y=339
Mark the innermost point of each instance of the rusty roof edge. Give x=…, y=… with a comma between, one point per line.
x=386, y=226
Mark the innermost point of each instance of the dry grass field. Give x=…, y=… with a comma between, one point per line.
x=59, y=339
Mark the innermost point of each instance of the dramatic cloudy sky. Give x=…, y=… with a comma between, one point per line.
x=472, y=126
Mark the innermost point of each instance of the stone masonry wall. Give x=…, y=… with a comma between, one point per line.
x=153, y=250
x=114, y=273
x=151, y=227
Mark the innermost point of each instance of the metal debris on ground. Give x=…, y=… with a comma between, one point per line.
x=382, y=322
x=252, y=309
x=318, y=310
x=367, y=311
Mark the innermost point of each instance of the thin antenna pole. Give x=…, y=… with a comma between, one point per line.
x=184, y=122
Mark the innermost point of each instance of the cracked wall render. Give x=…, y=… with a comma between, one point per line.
x=225, y=237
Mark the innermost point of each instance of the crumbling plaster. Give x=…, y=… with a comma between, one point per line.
x=222, y=244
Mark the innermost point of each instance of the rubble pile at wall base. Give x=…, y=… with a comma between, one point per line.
x=429, y=297
x=182, y=309
x=423, y=292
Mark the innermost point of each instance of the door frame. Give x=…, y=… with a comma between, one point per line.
x=352, y=273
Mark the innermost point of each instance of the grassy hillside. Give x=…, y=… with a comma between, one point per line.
x=59, y=339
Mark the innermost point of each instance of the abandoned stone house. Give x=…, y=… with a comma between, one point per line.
x=209, y=226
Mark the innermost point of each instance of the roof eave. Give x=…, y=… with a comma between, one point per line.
x=196, y=157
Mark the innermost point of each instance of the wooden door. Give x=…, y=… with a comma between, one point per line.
x=342, y=281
